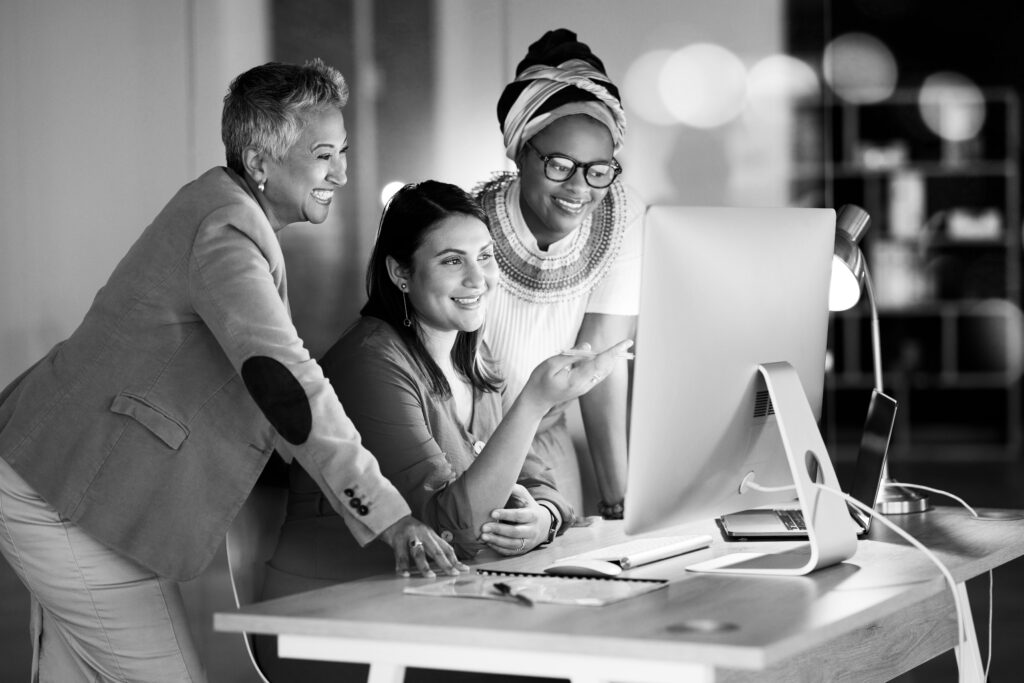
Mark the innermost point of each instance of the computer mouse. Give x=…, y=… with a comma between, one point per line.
x=583, y=567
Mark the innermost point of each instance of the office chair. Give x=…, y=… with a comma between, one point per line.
x=250, y=542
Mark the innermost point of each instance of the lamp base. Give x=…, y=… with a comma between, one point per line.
x=894, y=499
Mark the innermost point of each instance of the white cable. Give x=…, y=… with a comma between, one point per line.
x=960, y=621
x=991, y=603
x=901, y=485
x=991, y=574
x=749, y=483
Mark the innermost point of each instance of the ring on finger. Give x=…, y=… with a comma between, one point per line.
x=415, y=543
x=595, y=379
x=522, y=545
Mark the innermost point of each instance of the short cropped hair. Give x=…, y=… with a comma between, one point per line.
x=267, y=107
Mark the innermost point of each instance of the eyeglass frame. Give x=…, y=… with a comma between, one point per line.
x=577, y=165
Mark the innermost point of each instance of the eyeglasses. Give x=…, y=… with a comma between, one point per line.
x=559, y=168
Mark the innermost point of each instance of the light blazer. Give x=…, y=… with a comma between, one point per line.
x=149, y=425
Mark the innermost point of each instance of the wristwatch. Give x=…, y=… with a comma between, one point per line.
x=555, y=521
x=610, y=510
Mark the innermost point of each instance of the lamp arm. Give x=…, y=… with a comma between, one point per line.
x=876, y=343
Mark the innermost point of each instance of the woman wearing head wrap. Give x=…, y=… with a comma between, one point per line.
x=567, y=243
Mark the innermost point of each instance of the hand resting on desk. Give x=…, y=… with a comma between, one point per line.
x=412, y=539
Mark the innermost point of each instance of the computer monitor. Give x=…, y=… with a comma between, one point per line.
x=728, y=376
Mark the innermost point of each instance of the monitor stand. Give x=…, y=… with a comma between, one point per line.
x=831, y=535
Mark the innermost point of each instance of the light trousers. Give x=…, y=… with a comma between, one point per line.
x=95, y=615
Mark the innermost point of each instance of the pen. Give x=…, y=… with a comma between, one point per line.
x=628, y=355
x=506, y=589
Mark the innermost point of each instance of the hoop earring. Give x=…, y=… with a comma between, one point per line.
x=405, y=306
x=262, y=186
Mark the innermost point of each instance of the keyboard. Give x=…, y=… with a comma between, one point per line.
x=792, y=518
x=640, y=551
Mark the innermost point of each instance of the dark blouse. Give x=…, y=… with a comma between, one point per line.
x=419, y=441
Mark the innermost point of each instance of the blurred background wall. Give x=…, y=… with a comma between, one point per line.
x=108, y=106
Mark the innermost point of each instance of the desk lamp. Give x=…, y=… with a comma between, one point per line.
x=849, y=276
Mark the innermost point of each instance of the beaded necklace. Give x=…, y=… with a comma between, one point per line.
x=543, y=278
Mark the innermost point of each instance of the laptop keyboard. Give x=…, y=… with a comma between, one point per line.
x=793, y=519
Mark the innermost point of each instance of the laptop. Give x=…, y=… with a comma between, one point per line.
x=786, y=521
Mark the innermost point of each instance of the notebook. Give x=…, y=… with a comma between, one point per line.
x=786, y=522
x=533, y=588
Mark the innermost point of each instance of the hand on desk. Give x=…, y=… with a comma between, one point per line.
x=518, y=529
x=412, y=539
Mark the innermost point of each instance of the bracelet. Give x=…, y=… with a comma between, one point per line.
x=610, y=510
x=553, y=529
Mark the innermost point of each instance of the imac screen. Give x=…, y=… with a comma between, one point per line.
x=723, y=291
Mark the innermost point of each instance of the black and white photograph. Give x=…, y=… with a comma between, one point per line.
x=511, y=341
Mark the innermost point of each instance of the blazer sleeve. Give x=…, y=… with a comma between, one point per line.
x=236, y=282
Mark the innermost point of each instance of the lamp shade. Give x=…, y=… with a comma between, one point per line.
x=848, y=266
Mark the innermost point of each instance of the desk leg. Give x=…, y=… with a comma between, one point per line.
x=968, y=655
x=386, y=673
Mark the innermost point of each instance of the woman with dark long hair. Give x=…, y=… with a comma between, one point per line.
x=416, y=380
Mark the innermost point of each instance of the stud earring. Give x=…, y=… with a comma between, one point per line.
x=262, y=186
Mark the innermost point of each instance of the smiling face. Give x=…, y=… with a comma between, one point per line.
x=554, y=209
x=300, y=187
x=453, y=270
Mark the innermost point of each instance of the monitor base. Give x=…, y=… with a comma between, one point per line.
x=830, y=530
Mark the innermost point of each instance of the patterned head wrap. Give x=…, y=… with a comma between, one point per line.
x=559, y=77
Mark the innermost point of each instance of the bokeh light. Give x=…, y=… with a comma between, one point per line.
x=703, y=85
x=952, y=106
x=389, y=190
x=781, y=77
x=640, y=88
x=996, y=336
x=860, y=68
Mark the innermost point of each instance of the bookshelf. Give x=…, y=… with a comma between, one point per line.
x=944, y=253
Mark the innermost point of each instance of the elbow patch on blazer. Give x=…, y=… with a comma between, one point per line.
x=280, y=396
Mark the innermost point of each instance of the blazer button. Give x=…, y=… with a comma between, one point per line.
x=363, y=510
x=355, y=502
x=447, y=535
x=349, y=492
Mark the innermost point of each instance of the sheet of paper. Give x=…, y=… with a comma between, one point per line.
x=538, y=588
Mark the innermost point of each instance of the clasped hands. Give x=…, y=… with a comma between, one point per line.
x=519, y=528
x=513, y=531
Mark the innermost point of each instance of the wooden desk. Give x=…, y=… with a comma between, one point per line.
x=880, y=613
